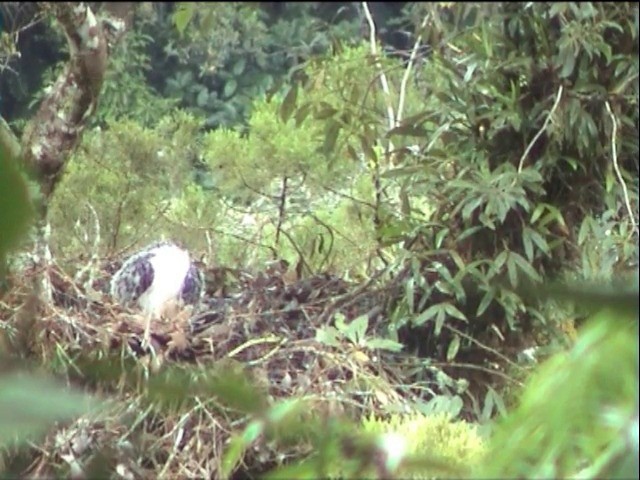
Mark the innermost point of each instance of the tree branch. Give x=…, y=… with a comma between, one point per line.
x=383, y=78
x=56, y=129
x=407, y=72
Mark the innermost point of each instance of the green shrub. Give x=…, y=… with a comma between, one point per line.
x=127, y=174
x=457, y=443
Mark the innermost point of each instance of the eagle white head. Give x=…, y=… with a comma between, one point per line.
x=158, y=277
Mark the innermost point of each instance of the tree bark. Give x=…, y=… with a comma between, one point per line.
x=57, y=127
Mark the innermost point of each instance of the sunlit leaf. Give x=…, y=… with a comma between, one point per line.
x=454, y=347
x=327, y=335
x=385, y=344
x=183, y=15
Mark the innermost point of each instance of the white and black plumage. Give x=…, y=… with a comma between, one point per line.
x=156, y=277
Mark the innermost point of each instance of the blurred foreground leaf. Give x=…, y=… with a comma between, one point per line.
x=30, y=404
x=15, y=206
x=619, y=294
x=579, y=410
x=175, y=385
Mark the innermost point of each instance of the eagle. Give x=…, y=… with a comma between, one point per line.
x=158, y=277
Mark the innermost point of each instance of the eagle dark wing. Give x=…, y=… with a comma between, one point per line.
x=133, y=279
x=193, y=286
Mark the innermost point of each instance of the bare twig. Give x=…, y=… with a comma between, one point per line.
x=616, y=167
x=281, y=210
x=383, y=78
x=407, y=72
x=541, y=131
x=92, y=264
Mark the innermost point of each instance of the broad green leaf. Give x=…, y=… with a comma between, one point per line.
x=202, y=98
x=230, y=88
x=567, y=61
x=498, y=263
x=328, y=336
x=239, y=66
x=357, y=329
x=183, y=15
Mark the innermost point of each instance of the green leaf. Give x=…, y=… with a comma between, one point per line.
x=328, y=336
x=527, y=243
x=440, y=318
x=302, y=113
x=512, y=271
x=567, y=58
x=410, y=293
x=30, y=405
x=239, y=66
x=454, y=312
x=470, y=207
x=498, y=263
x=488, y=297
x=238, y=444
x=289, y=103
x=525, y=267
x=385, y=344
x=202, y=98
x=331, y=137
x=183, y=15
x=454, y=346
x=440, y=236
x=15, y=205
x=357, y=329
x=230, y=88
x=368, y=150
x=325, y=111
x=540, y=242
x=428, y=314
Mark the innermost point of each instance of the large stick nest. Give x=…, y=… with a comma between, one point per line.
x=267, y=330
